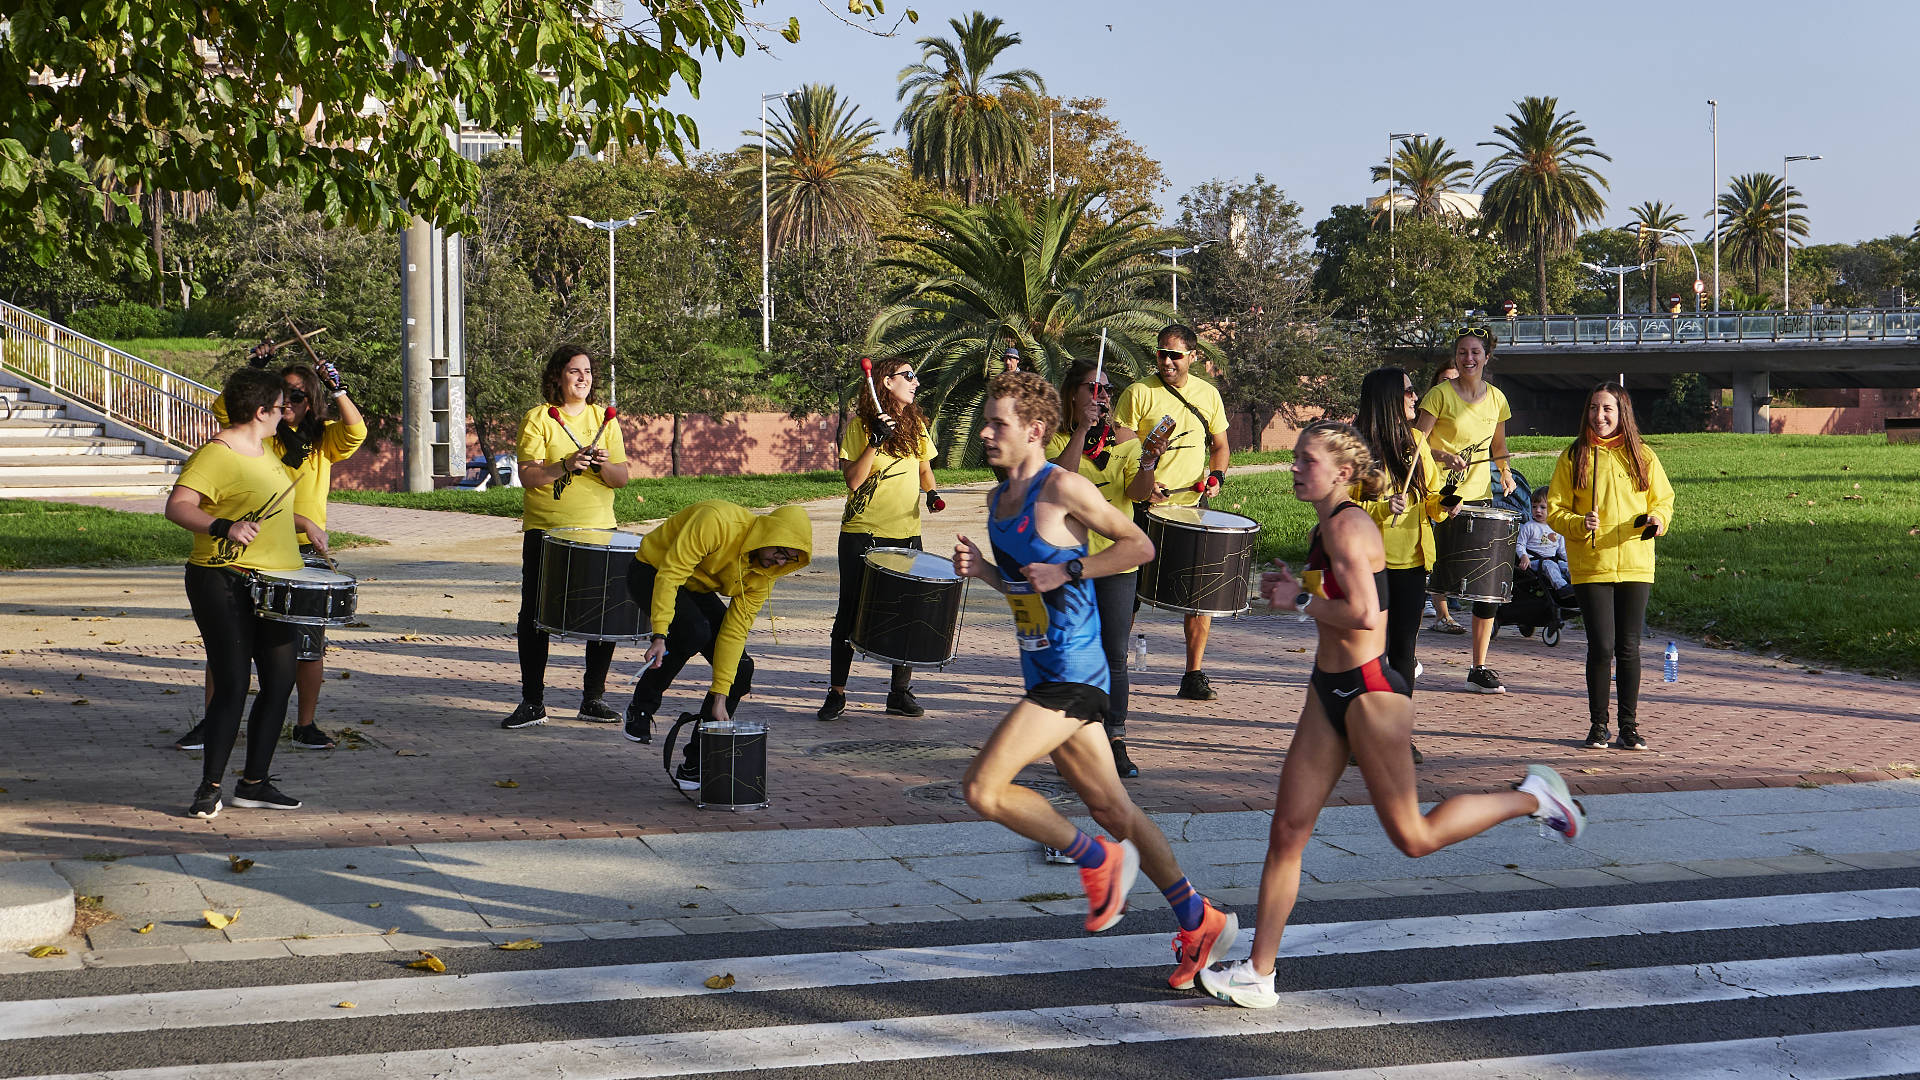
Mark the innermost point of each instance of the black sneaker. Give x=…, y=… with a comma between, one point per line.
x=1482, y=680
x=903, y=703
x=1630, y=738
x=1596, y=737
x=310, y=737
x=262, y=795
x=687, y=776
x=1194, y=686
x=834, y=708
x=639, y=726
x=194, y=740
x=527, y=714
x=595, y=711
x=1128, y=770
x=206, y=801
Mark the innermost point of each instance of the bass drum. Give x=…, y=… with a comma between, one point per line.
x=909, y=608
x=1202, y=560
x=583, y=585
x=1474, y=554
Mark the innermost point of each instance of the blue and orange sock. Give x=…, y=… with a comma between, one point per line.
x=1187, y=903
x=1091, y=854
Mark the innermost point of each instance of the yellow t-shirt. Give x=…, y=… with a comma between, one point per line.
x=887, y=504
x=1123, y=465
x=338, y=441
x=1186, y=461
x=1408, y=537
x=585, y=501
x=241, y=488
x=1458, y=425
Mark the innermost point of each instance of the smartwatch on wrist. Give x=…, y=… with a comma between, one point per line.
x=1301, y=601
x=1075, y=570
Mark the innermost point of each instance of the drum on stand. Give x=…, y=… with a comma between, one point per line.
x=733, y=765
x=1202, y=560
x=305, y=597
x=1475, y=551
x=909, y=608
x=583, y=585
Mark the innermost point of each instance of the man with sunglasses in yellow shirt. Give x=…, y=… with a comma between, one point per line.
x=1194, y=466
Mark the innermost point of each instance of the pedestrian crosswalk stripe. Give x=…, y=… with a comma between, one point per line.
x=408, y=995
x=1071, y=1027
x=1830, y=1055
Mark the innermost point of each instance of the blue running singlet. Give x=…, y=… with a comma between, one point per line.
x=1058, y=632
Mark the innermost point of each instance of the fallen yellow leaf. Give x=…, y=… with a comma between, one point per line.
x=721, y=982
x=169, y=691
x=147, y=929
x=41, y=952
x=522, y=944
x=346, y=1005
x=219, y=921
x=375, y=904
x=116, y=641
x=506, y=783
x=239, y=865
x=37, y=693
x=81, y=701
x=429, y=962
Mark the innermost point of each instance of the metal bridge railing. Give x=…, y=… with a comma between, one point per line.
x=118, y=384
x=1703, y=328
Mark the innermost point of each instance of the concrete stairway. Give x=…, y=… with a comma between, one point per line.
x=47, y=451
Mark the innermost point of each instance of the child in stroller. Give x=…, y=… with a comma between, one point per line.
x=1541, y=585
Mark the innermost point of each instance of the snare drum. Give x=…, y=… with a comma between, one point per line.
x=1475, y=551
x=909, y=608
x=1202, y=560
x=310, y=642
x=306, y=597
x=583, y=585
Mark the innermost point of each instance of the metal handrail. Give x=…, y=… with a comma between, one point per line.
x=117, y=384
x=1710, y=328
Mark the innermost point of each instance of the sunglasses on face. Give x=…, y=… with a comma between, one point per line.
x=1174, y=354
x=1410, y=392
x=295, y=395
x=1099, y=389
x=910, y=375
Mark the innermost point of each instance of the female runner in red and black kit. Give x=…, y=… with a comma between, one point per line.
x=1355, y=702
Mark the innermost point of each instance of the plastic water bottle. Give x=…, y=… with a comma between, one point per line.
x=1138, y=661
x=1673, y=663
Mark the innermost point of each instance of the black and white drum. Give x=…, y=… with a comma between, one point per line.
x=909, y=608
x=1475, y=551
x=310, y=642
x=1202, y=560
x=305, y=597
x=733, y=765
x=583, y=585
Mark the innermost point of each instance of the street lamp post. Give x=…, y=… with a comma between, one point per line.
x=1713, y=204
x=1640, y=228
x=611, y=227
x=1620, y=276
x=1055, y=114
x=1393, y=137
x=1174, y=253
x=1786, y=229
x=766, y=244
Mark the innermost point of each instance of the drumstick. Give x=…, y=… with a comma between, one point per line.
x=1593, y=495
x=1100, y=362
x=302, y=339
x=601, y=430
x=866, y=365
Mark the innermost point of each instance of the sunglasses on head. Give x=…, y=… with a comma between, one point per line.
x=1174, y=354
x=1480, y=332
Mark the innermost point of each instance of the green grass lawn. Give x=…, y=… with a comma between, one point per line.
x=1805, y=545
x=36, y=534
x=196, y=358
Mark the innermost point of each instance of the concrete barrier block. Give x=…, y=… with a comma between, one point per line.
x=36, y=905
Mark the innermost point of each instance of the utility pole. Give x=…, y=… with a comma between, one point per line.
x=417, y=311
x=1713, y=204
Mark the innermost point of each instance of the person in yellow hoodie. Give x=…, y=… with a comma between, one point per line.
x=1610, y=498
x=709, y=550
x=309, y=440
x=1405, y=510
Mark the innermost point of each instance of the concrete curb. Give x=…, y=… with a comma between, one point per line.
x=36, y=905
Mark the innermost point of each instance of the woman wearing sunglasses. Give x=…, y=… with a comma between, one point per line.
x=1465, y=420
x=886, y=456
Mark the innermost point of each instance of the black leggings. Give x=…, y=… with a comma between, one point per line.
x=695, y=629
x=533, y=641
x=1116, y=595
x=853, y=561
x=1405, y=600
x=237, y=642
x=1613, y=613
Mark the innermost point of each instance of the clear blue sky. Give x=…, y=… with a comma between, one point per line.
x=1305, y=93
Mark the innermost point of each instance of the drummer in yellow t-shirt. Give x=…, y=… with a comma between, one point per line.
x=234, y=494
x=572, y=459
x=1195, y=464
x=887, y=458
x=1109, y=455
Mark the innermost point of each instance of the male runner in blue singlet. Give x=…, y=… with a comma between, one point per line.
x=1037, y=523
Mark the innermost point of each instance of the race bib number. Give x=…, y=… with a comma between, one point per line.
x=1030, y=619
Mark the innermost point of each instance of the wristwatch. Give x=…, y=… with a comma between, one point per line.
x=1075, y=570
x=1301, y=601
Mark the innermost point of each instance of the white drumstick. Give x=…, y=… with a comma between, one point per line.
x=866, y=365
x=1100, y=363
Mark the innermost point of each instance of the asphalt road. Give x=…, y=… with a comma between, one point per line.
x=1750, y=977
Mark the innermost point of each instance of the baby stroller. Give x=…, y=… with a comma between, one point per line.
x=1533, y=604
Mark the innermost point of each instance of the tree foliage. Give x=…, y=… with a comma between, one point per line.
x=1412, y=286
x=960, y=133
x=825, y=299
x=1753, y=211
x=824, y=179
x=1542, y=187
x=1423, y=171
x=1090, y=149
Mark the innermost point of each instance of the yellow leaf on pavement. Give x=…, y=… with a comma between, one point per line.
x=516, y=946
x=375, y=904
x=506, y=783
x=36, y=693
x=346, y=1005
x=429, y=962
x=41, y=952
x=219, y=921
x=147, y=929
x=721, y=982
x=239, y=865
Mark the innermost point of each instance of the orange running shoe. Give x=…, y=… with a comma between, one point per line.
x=1193, y=950
x=1107, y=885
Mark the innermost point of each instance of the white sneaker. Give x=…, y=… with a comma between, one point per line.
x=1238, y=984
x=1558, y=809
x=1419, y=669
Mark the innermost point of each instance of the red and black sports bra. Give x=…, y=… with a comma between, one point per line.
x=1318, y=578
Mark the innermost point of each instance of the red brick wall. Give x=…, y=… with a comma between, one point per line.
x=1848, y=412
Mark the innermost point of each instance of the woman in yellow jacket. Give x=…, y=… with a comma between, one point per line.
x=1405, y=510
x=1610, y=498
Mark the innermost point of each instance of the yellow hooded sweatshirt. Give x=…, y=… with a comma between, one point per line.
x=705, y=548
x=1616, y=553
x=1409, y=536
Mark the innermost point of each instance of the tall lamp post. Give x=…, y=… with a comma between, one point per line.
x=1641, y=228
x=1051, y=117
x=1620, y=276
x=611, y=227
x=766, y=244
x=1713, y=204
x=1786, y=229
x=1174, y=253
x=1393, y=137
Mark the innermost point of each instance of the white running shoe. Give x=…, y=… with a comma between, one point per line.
x=1558, y=811
x=1238, y=984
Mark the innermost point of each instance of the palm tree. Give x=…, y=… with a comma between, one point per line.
x=1543, y=190
x=1652, y=218
x=1751, y=215
x=960, y=133
x=824, y=178
x=1425, y=170
x=1046, y=280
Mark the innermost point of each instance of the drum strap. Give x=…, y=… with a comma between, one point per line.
x=673, y=735
x=1196, y=414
